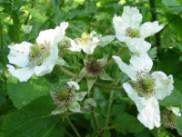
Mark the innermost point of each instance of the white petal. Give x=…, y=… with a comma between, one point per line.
x=120, y=27
x=89, y=46
x=132, y=16
x=48, y=64
x=74, y=46
x=19, y=54
x=89, y=49
x=150, y=114
x=138, y=46
x=141, y=62
x=150, y=28
x=52, y=36
x=23, y=74
x=128, y=70
x=163, y=84
x=73, y=84
x=175, y=111
x=148, y=108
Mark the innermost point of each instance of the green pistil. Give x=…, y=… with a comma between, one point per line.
x=38, y=54
x=132, y=32
x=144, y=86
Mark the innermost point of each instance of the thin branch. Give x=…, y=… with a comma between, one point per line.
x=73, y=127
x=68, y=72
x=109, y=108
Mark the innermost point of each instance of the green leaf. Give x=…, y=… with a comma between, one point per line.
x=173, y=6
x=176, y=25
x=59, y=111
x=37, y=15
x=74, y=107
x=33, y=120
x=80, y=96
x=90, y=83
x=179, y=125
x=122, y=124
x=105, y=76
x=173, y=100
x=22, y=94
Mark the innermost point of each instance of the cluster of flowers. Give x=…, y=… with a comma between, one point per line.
x=145, y=87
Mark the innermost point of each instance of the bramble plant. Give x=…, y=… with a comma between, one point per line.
x=83, y=79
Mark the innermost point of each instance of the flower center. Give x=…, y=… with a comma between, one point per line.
x=38, y=54
x=132, y=32
x=85, y=38
x=94, y=67
x=144, y=86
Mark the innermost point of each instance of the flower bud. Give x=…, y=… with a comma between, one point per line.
x=65, y=43
x=168, y=119
x=63, y=97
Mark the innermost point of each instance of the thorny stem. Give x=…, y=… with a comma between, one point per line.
x=73, y=127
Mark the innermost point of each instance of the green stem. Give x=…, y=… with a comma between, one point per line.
x=153, y=8
x=95, y=119
x=109, y=108
x=73, y=127
x=3, y=58
x=1, y=35
x=108, y=86
x=67, y=72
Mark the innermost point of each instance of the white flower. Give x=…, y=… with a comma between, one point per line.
x=128, y=27
x=175, y=111
x=138, y=64
x=87, y=43
x=73, y=85
x=39, y=58
x=149, y=113
x=145, y=89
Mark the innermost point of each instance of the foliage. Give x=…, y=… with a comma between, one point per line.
x=25, y=108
